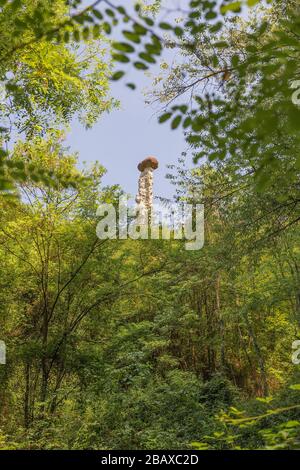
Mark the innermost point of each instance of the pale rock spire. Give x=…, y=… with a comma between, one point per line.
x=145, y=187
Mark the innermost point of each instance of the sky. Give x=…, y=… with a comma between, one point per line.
x=125, y=136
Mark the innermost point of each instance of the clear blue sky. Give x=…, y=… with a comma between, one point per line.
x=125, y=136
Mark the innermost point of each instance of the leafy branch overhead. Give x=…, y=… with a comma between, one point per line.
x=238, y=97
x=142, y=344
x=233, y=101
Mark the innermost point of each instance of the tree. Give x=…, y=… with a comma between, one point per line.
x=142, y=344
x=46, y=81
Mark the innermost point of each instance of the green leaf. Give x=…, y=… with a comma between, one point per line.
x=194, y=14
x=139, y=29
x=194, y=139
x=121, y=10
x=107, y=27
x=234, y=6
x=156, y=42
x=123, y=47
x=295, y=387
x=153, y=49
x=132, y=36
x=76, y=35
x=148, y=21
x=164, y=117
x=216, y=27
x=221, y=44
x=200, y=446
x=120, y=58
x=147, y=58
x=6, y=185
x=85, y=33
x=165, y=26
x=176, y=121
x=187, y=122
x=79, y=19
x=110, y=12
x=117, y=75
x=252, y=3
x=132, y=86
x=211, y=15
x=195, y=3
x=292, y=424
x=66, y=36
x=140, y=66
x=97, y=14
x=183, y=108
x=96, y=31
x=178, y=31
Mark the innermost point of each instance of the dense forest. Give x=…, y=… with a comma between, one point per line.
x=142, y=344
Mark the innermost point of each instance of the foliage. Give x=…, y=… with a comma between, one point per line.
x=237, y=429
x=45, y=82
x=122, y=344
x=139, y=344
